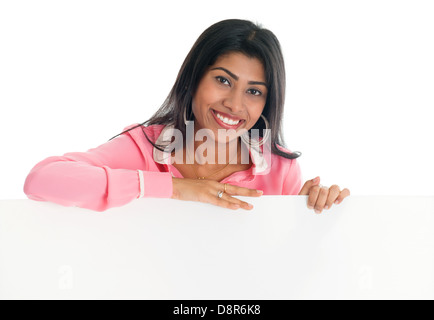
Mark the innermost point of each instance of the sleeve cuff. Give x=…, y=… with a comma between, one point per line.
x=155, y=184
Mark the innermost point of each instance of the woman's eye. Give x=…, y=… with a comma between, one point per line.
x=223, y=80
x=255, y=92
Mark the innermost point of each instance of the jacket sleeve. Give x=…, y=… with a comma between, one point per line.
x=99, y=179
x=293, y=181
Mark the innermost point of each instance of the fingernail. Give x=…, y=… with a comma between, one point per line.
x=260, y=191
x=337, y=202
x=309, y=207
x=326, y=207
x=317, y=211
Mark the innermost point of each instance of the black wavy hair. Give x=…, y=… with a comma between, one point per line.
x=224, y=37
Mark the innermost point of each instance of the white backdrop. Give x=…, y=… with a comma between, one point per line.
x=360, y=81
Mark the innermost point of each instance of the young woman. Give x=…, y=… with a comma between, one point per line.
x=227, y=102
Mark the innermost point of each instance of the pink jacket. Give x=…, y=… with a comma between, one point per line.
x=128, y=167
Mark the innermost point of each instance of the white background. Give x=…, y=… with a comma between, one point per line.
x=360, y=81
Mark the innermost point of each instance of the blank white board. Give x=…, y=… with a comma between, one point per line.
x=368, y=247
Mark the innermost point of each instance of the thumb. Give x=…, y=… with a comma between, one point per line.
x=307, y=185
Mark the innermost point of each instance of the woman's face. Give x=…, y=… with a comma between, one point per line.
x=231, y=95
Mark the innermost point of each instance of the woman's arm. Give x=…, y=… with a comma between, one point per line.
x=99, y=179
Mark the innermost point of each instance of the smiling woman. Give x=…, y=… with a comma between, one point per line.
x=245, y=39
x=232, y=80
x=233, y=103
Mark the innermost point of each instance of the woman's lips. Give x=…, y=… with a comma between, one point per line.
x=225, y=115
x=224, y=125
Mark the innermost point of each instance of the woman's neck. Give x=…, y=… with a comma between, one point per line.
x=214, y=153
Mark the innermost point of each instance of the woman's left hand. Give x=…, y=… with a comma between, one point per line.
x=321, y=197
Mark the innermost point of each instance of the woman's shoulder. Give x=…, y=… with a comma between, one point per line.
x=136, y=131
x=285, y=168
x=283, y=162
x=285, y=150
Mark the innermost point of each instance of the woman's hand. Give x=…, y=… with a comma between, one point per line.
x=322, y=197
x=207, y=191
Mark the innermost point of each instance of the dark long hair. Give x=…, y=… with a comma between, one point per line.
x=221, y=38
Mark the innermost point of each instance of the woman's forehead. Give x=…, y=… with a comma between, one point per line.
x=241, y=65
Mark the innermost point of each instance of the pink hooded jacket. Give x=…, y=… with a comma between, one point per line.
x=129, y=167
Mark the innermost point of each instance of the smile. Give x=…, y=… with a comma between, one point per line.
x=224, y=121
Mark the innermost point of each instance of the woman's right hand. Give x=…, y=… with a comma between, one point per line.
x=207, y=190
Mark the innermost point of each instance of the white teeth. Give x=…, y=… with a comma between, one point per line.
x=226, y=120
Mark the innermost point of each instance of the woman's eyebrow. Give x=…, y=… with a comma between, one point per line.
x=236, y=77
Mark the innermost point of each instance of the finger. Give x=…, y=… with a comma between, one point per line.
x=240, y=191
x=321, y=200
x=313, y=196
x=334, y=192
x=222, y=203
x=343, y=194
x=242, y=204
x=226, y=200
x=307, y=185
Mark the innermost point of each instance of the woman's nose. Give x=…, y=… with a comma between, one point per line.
x=235, y=101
